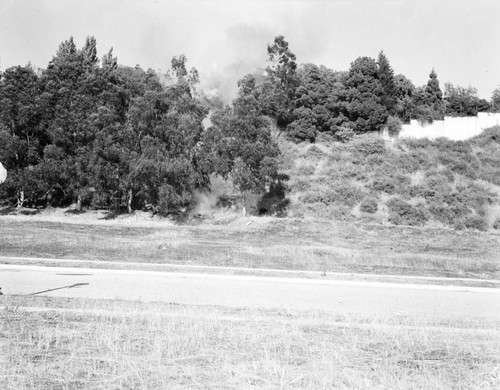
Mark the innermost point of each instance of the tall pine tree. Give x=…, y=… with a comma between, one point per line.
x=386, y=77
x=434, y=96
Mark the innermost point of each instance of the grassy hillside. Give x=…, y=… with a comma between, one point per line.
x=415, y=182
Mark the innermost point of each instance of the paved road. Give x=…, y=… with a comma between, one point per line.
x=342, y=297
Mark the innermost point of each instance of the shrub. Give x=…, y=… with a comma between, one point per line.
x=314, y=153
x=374, y=161
x=474, y=195
x=384, y=184
x=476, y=222
x=414, y=160
x=301, y=185
x=394, y=126
x=312, y=197
x=464, y=169
x=340, y=194
x=368, y=145
x=347, y=170
x=274, y=201
x=487, y=137
x=496, y=224
x=369, y=205
x=403, y=213
x=344, y=134
x=456, y=154
x=418, y=143
x=346, y=194
x=448, y=214
x=170, y=200
x=435, y=186
x=306, y=169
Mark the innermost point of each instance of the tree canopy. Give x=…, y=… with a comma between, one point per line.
x=103, y=135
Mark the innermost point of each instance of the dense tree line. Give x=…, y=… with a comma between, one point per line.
x=308, y=99
x=101, y=135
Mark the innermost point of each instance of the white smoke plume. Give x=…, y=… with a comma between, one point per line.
x=206, y=202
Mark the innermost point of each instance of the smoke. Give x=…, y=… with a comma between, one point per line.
x=206, y=202
x=245, y=51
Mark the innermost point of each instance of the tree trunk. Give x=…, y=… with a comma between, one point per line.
x=79, y=203
x=245, y=212
x=129, y=201
x=20, y=198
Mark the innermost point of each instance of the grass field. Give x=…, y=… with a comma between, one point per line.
x=57, y=343
x=127, y=345
x=296, y=244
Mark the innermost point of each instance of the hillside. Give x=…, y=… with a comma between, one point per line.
x=415, y=182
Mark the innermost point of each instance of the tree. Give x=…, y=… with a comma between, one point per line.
x=22, y=135
x=432, y=97
x=434, y=92
x=167, y=168
x=462, y=101
x=429, y=100
x=365, y=111
x=495, y=100
x=282, y=82
x=239, y=145
x=405, y=93
x=73, y=91
x=316, y=102
x=386, y=77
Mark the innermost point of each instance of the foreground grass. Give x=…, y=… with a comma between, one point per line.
x=292, y=244
x=117, y=345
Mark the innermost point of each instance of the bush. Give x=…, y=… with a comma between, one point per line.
x=449, y=214
x=169, y=200
x=369, y=205
x=414, y=160
x=306, y=169
x=384, y=184
x=344, y=134
x=464, y=169
x=274, y=201
x=476, y=222
x=475, y=196
x=347, y=171
x=496, y=224
x=402, y=213
x=436, y=185
x=301, y=185
x=418, y=143
x=394, y=126
x=314, y=153
x=487, y=137
x=348, y=194
x=344, y=194
x=366, y=145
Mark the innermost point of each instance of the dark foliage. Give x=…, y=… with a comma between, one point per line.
x=403, y=213
x=100, y=135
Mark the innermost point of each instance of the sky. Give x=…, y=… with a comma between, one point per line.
x=226, y=39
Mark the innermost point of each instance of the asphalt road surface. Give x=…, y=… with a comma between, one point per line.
x=342, y=297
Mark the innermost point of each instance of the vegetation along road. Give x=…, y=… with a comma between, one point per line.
x=335, y=296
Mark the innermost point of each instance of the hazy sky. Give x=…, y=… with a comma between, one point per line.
x=459, y=38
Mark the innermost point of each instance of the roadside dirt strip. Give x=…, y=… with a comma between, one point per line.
x=334, y=296
x=305, y=274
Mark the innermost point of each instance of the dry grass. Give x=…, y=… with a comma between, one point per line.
x=262, y=243
x=116, y=345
